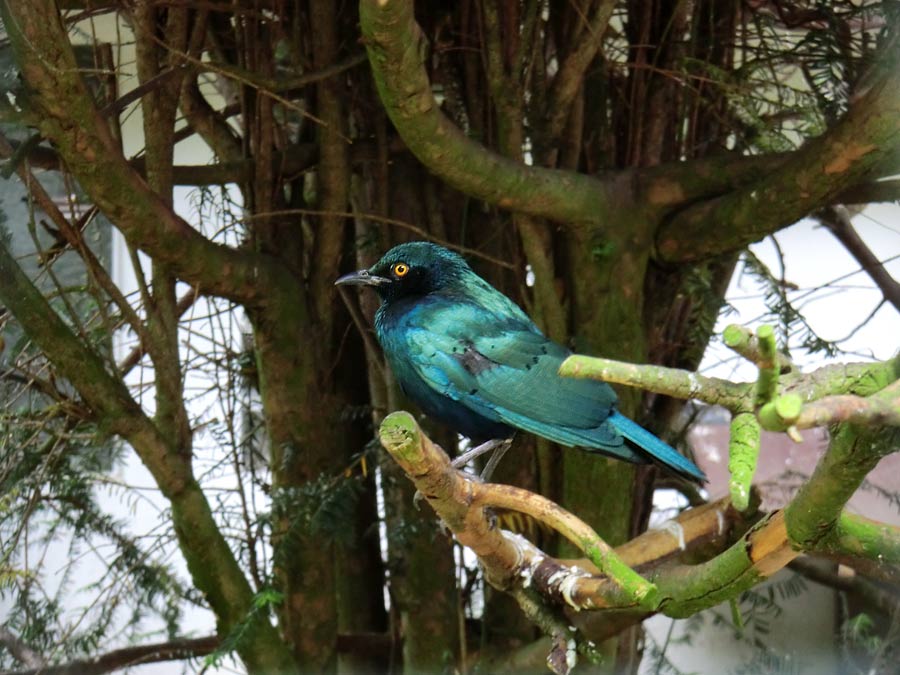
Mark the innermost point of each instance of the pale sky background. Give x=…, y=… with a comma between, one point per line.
x=834, y=294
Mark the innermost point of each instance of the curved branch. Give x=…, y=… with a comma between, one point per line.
x=511, y=562
x=172, y=650
x=866, y=138
x=574, y=529
x=675, y=185
x=396, y=49
x=70, y=119
x=208, y=123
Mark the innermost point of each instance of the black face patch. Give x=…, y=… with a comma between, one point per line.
x=474, y=361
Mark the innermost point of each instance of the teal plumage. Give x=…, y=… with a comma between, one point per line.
x=471, y=358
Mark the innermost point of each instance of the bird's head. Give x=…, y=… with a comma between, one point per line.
x=416, y=268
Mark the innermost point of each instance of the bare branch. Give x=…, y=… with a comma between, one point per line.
x=172, y=650
x=20, y=650
x=569, y=78
x=837, y=220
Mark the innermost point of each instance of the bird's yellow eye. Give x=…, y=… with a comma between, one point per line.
x=400, y=270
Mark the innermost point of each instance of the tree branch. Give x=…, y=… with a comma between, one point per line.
x=172, y=650
x=742, y=341
x=70, y=119
x=333, y=187
x=20, y=650
x=675, y=185
x=212, y=565
x=569, y=78
x=883, y=599
x=661, y=380
x=295, y=159
x=858, y=379
x=882, y=409
x=837, y=220
x=867, y=137
x=866, y=539
x=510, y=562
x=397, y=52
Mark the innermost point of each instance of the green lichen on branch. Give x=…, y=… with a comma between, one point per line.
x=743, y=452
x=767, y=381
x=742, y=341
x=659, y=379
x=852, y=453
x=397, y=53
x=429, y=468
x=781, y=413
x=865, y=538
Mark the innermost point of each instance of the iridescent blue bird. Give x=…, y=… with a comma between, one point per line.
x=472, y=359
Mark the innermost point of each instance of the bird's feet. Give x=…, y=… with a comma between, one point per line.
x=499, y=446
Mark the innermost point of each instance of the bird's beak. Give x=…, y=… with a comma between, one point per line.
x=361, y=278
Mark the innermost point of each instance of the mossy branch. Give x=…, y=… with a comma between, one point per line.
x=743, y=452
x=881, y=409
x=397, y=53
x=863, y=142
x=606, y=580
x=864, y=538
x=744, y=342
x=462, y=504
x=661, y=380
x=767, y=381
x=780, y=400
x=864, y=399
x=513, y=564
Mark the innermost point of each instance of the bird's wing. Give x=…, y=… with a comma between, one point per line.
x=506, y=371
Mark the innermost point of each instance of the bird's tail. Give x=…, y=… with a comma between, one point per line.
x=657, y=449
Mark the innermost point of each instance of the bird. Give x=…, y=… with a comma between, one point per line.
x=472, y=359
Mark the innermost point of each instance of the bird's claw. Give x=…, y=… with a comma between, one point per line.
x=499, y=446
